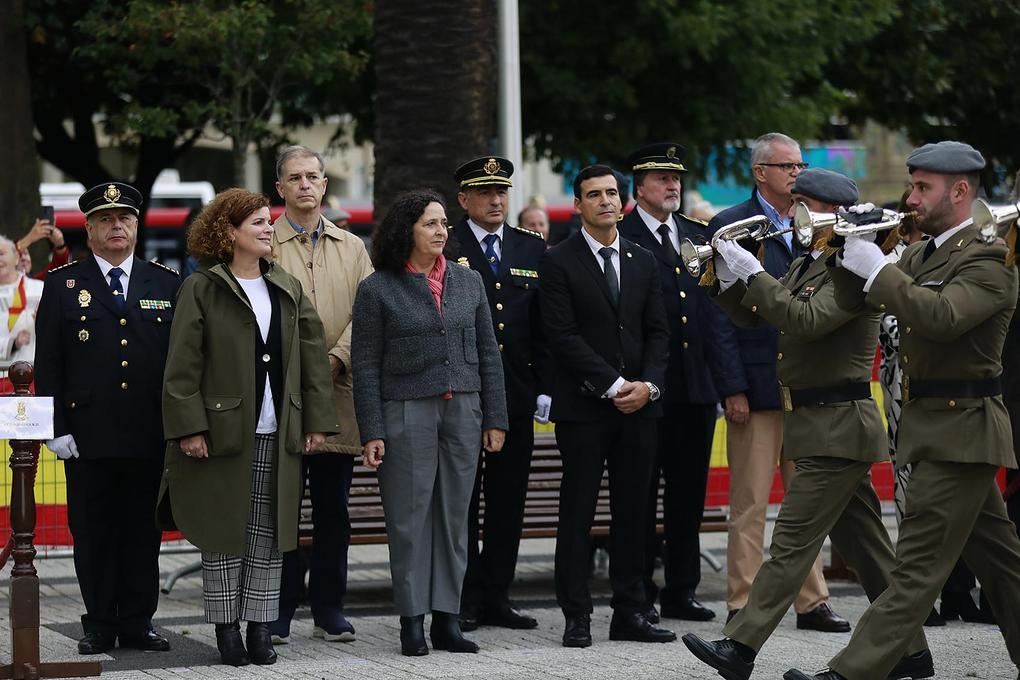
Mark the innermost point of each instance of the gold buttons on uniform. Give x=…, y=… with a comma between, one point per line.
x=754, y=308
x=685, y=344
x=780, y=357
x=683, y=319
x=74, y=404
x=123, y=364
x=882, y=307
x=499, y=306
x=265, y=358
x=159, y=319
x=123, y=386
x=123, y=322
x=83, y=318
x=908, y=330
x=498, y=285
x=678, y=270
x=218, y=404
x=501, y=348
x=906, y=359
x=123, y=342
x=683, y=295
x=952, y=402
x=502, y=326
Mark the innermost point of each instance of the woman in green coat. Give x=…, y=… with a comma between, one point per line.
x=246, y=390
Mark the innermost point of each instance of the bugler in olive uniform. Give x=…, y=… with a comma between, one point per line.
x=833, y=431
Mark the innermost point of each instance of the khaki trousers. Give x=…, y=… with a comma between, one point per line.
x=952, y=509
x=753, y=451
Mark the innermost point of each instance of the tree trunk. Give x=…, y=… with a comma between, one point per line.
x=19, y=183
x=435, y=99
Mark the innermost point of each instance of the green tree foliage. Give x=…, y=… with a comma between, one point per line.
x=600, y=78
x=942, y=69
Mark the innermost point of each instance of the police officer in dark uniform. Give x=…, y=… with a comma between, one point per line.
x=688, y=419
x=507, y=258
x=104, y=326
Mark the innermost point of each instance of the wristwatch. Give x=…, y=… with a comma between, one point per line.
x=653, y=391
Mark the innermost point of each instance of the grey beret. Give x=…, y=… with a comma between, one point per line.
x=827, y=186
x=947, y=158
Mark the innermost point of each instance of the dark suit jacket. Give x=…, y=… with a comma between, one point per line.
x=104, y=367
x=513, y=303
x=699, y=349
x=754, y=362
x=594, y=341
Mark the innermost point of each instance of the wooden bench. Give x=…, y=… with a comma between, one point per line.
x=540, y=508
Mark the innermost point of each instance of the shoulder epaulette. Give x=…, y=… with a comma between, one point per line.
x=694, y=219
x=163, y=266
x=63, y=266
x=529, y=232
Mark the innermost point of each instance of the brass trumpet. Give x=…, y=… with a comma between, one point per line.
x=890, y=220
x=989, y=218
x=754, y=228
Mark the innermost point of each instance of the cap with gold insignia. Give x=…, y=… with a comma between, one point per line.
x=110, y=195
x=485, y=171
x=946, y=158
x=826, y=186
x=658, y=156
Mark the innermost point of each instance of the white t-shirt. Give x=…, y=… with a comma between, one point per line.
x=258, y=295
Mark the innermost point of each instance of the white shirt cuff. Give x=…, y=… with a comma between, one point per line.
x=873, y=275
x=614, y=388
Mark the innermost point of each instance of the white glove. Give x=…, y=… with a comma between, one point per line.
x=861, y=208
x=862, y=257
x=63, y=446
x=542, y=405
x=742, y=263
x=726, y=277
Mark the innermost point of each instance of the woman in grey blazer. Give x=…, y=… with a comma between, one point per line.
x=428, y=394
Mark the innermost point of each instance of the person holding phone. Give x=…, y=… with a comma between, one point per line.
x=43, y=228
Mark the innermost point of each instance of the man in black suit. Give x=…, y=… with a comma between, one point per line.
x=754, y=435
x=606, y=326
x=507, y=258
x=687, y=425
x=104, y=328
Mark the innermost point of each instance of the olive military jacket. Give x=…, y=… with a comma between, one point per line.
x=209, y=387
x=820, y=345
x=954, y=311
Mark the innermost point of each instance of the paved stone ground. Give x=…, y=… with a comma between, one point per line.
x=961, y=650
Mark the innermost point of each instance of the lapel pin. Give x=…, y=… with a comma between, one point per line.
x=70, y=283
x=83, y=335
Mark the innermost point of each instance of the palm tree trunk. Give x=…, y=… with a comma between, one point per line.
x=435, y=98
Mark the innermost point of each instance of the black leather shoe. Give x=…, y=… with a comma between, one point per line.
x=446, y=635
x=260, y=644
x=506, y=616
x=730, y=614
x=733, y=660
x=688, y=610
x=934, y=619
x=794, y=674
x=577, y=631
x=822, y=618
x=96, y=643
x=228, y=641
x=150, y=641
x=652, y=614
x=636, y=628
x=469, y=618
x=412, y=636
x=961, y=606
x=913, y=667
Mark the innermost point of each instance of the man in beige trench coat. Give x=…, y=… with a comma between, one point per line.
x=954, y=297
x=330, y=263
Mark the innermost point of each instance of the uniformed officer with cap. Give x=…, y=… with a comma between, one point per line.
x=687, y=424
x=832, y=431
x=104, y=327
x=953, y=296
x=507, y=258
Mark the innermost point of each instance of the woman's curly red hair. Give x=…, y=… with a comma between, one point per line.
x=209, y=235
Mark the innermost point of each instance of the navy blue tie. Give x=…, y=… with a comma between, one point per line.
x=490, y=252
x=116, y=288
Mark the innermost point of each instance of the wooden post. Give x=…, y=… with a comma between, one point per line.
x=24, y=614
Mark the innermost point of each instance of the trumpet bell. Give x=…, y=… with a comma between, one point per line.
x=694, y=256
x=806, y=223
x=993, y=219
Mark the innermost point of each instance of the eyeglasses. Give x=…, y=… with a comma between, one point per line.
x=786, y=167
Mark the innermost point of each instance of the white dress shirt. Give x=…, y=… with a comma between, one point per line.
x=653, y=226
x=480, y=234
x=595, y=248
x=105, y=267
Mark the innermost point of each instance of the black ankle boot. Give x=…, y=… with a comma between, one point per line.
x=228, y=641
x=412, y=636
x=446, y=635
x=960, y=605
x=260, y=644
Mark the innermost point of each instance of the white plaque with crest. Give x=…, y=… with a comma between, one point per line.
x=26, y=417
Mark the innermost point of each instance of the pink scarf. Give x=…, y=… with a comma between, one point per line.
x=435, y=280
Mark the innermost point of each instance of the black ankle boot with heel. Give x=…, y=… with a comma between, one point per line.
x=260, y=644
x=412, y=636
x=446, y=635
x=228, y=641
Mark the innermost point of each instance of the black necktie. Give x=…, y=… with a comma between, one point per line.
x=611, y=280
x=929, y=248
x=116, y=288
x=802, y=270
x=667, y=245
